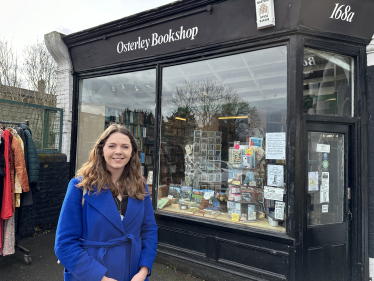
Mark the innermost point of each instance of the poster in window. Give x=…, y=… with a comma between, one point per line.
x=275, y=175
x=313, y=181
x=276, y=146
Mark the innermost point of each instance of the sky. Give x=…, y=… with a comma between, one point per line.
x=23, y=21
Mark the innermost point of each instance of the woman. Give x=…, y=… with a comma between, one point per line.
x=108, y=233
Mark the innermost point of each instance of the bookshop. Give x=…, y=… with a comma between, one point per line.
x=251, y=125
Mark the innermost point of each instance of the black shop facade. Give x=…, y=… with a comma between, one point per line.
x=251, y=124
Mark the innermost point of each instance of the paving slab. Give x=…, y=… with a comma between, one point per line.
x=44, y=264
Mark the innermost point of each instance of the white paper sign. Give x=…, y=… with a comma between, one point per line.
x=188, y=149
x=325, y=208
x=325, y=184
x=265, y=13
x=275, y=175
x=279, y=210
x=170, y=196
x=324, y=196
x=323, y=148
x=273, y=193
x=276, y=146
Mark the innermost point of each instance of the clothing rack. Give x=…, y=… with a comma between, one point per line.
x=26, y=252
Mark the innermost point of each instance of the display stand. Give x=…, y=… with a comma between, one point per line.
x=26, y=256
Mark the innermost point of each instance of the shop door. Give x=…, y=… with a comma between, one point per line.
x=328, y=213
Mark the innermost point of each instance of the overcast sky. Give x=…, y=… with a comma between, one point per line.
x=26, y=21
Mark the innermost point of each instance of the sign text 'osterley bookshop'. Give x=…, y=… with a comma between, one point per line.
x=157, y=39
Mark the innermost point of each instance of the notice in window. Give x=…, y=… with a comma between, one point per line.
x=276, y=146
x=275, y=175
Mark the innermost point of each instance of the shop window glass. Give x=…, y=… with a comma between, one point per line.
x=325, y=178
x=223, y=139
x=127, y=99
x=328, y=83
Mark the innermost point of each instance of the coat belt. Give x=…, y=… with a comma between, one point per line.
x=127, y=239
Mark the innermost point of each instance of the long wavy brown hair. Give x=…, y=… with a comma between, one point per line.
x=96, y=177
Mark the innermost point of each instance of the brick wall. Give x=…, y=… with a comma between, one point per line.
x=53, y=180
x=371, y=158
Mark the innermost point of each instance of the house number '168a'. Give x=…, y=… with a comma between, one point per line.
x=345, y=14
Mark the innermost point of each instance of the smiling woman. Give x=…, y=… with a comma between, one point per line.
x=105, y=226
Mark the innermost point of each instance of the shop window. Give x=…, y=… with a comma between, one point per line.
x=223, y=139
x=328, y=83
x=127, y=99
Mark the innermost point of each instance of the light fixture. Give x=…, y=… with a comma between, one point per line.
x=149, y=87
x=113, y=88
x=331, y=99
x=233, y=117
x=123, y=86
x=180, y=118
x=136, y=88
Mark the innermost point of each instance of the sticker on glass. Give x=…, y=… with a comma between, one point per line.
x=279, y=210
x=276, y=146
x=325, y=208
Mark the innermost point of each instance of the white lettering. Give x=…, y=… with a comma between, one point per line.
x=154, y=39
x=147, y=43
x=311, y=61
x=195, y=30
x=347, y=15
x=157, y=39
x=120, y=47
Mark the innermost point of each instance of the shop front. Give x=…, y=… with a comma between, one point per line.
x=252, y=130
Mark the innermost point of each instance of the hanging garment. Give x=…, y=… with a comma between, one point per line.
x=17, y=185
x=2, y=175
x=6, y=208
x=20, y=132
x=2, y=170
x=33, y=164
x=9, y=237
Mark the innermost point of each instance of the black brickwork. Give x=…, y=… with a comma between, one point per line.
x=53, y=180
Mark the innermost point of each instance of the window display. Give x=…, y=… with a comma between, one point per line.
x=127, y=99
x=223, y=139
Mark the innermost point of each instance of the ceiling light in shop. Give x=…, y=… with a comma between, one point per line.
x=331, y=99
x=180, y=118
x=136, y=88
x=233, y=117
x=113, y=88
x=149, y=87
x=123, y=86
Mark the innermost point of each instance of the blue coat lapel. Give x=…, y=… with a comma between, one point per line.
x=133, y=208
x=104, y=203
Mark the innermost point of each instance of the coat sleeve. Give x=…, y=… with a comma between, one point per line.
x=148, y=233
x=69, y=231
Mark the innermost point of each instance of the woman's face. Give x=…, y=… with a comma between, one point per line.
x=117, y=152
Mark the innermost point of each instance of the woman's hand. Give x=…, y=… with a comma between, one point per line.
x=108, y=279
x=141, y=275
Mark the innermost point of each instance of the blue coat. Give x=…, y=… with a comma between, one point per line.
x=93, y=241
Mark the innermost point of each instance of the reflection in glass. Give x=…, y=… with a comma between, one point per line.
x=325, y=178
x=328, y=83
x=210, y=109
x=127, y=99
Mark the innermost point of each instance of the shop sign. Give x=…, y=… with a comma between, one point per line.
x=265, y=13
x=157, y=39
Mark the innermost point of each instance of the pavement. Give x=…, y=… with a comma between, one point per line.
x=44, y=264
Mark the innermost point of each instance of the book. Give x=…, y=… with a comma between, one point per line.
x=200, y=213
x=191, y=210
x=197, y=195
x=174, y=191
x=212, y=214
x=185, y=193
